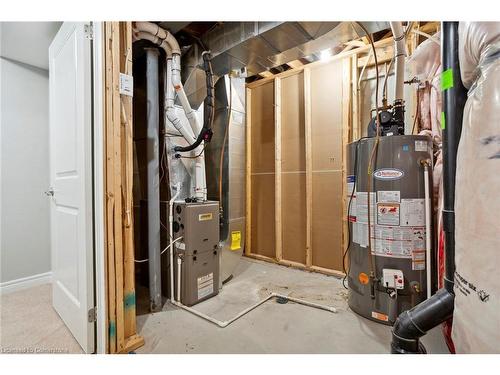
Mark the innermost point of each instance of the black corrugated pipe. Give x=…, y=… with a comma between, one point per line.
x=209, y=110
x=414, y=323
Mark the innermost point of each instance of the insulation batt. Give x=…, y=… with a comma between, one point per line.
x=476, y=319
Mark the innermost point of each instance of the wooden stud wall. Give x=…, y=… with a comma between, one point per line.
x=316, y=110
x=122, y=334
x=294, y=162
x=262, y=172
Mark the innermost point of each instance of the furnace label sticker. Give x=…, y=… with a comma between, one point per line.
x=205, y=285
x=388, y=196
x=412, y=212
x=235, y=240
x=421, y=146
x=388, y=214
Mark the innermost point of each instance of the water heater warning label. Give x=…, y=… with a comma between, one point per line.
x=388, y=213
x=205, y=285
x=412, y=212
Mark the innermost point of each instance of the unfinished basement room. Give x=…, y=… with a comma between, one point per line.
x=250, y=187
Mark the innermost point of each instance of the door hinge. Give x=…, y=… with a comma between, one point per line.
x=92, y=315
x=89, y=31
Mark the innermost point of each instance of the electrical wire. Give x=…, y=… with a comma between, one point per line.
x=192, y=157
x=224, y=141
x=374, y=150
x=165, y=249
x=349, y=241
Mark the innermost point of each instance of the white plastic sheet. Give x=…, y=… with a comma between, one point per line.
x=476, y=319
x=474, y=37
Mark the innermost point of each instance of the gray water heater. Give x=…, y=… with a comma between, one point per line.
x=391, y=277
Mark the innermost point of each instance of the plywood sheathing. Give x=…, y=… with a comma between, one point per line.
x=326, y=130
x=262, y=172
x=293, y=168
x=301, y=176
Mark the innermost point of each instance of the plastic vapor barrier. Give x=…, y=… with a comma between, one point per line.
x=476, y=319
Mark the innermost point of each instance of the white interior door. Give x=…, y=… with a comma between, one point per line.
x=71, y=181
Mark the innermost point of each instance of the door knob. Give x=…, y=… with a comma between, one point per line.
x=50, y=192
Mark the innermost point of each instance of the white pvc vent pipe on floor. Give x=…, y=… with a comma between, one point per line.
x=224, y=324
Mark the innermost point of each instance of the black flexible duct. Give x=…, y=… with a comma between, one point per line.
x=206, y=131
x=414, y=323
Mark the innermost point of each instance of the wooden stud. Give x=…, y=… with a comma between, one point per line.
x=356, y=131
x=248, y=200
x=110, y=196
x=296, y=265
x=127, y=177
x=295, y=64
x=308, y=160
x=132, y=343
x=277, y=169
x=346, y=114
x=119, y=182
x=117, y=156
x=266, y=74
x=384, y=54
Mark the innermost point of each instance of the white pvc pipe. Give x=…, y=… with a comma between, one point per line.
x=179, y=267
x=181, y=94
x=186, y=132
x=427, y=228
x=224, y=324
x=170, y=234
x=399, y=57
x=157, y=31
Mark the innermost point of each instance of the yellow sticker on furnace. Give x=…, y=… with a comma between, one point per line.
x=235, y=240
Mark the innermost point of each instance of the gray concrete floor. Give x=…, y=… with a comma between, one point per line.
x=29, y=324
x=272, y=327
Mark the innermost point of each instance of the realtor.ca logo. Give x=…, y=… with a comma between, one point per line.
x=388, y=174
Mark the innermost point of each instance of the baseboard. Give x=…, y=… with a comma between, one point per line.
x=25, y=282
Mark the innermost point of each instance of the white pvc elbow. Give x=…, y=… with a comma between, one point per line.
x=157, y=31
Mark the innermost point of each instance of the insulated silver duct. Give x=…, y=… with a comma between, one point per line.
x=260, y=46
x=228, y=141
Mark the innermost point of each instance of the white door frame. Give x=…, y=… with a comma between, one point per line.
x=99, y=196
